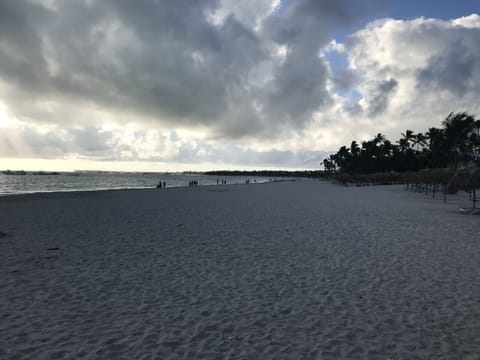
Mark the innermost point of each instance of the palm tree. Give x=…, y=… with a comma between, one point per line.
x=419, y=140
x=343, y=159
x=458, y=128
x=436, y=147
x=380, y=138
x=403, y=144
x=329, y=164
x=476, y=127
x=409, y=136
x=476, y=140
x=354, y=148
x=406, y=151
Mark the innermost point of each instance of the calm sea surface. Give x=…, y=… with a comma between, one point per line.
x=87, y=181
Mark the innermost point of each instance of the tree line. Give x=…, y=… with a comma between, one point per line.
x=267, y=173
x=456, y=142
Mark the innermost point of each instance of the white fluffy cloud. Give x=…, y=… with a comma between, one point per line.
x=409, y=74
x=222, y=82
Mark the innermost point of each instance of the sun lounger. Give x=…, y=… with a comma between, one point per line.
x=471, y=211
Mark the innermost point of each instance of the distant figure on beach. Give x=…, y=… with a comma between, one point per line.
x=217, y=181
x=164, y=184
x=159, y=186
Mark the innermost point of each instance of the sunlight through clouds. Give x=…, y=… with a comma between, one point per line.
x=111, y=81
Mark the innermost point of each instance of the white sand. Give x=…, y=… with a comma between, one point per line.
x=297, y=270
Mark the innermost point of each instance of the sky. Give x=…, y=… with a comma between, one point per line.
x=160, y=85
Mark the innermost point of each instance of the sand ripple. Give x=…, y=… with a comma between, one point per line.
x=303, y=270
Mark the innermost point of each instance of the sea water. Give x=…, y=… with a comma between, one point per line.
x=88, y=181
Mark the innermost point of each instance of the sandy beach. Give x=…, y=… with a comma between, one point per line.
x=288, y=270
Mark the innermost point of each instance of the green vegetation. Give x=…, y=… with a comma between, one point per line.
x=457, y=142
x=268, y=173
x=428, y=163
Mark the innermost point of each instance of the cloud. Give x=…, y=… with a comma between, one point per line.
x=380, y=97
x=457, y=70
x=222, y=155
x=184, y=81
x=300, y=83
x=168, y=60
x=148, y=146
x=412, y=73
x=346, y=12
x=251, y=13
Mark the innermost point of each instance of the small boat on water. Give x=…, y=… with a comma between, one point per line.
x=16, y=172
x=45, y=173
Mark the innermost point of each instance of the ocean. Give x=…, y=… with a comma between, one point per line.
x=89, y=181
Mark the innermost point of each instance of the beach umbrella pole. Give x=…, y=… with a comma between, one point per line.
x=474, y=198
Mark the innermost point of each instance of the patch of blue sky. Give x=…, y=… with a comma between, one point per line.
x=338, y=63
x=439, y=9
x=337, y=60
x=353, y=95
x=412, y=9
x=284, y=5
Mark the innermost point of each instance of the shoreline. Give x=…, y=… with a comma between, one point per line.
x=234, y=181
x=75, y=191
x=459, y=199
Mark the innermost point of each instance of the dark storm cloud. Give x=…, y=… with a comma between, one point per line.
x=21, y=60
x=299, y=87
x=347, y=12
x=162, y=59
x=166, y=60
x=296, y=93
x=353, y=108
x=79, y=67
x=299, y=84
x=456, y=70
x=345, y=80
x=381, y=97
x=325, y=15
x=186, y=66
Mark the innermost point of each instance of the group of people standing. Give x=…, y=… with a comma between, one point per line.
x=194, y=183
